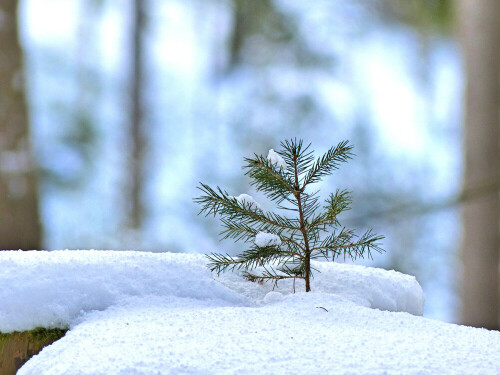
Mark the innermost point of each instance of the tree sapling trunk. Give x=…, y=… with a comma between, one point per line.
x=281, y=245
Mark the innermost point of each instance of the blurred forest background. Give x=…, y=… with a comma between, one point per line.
x=111, y=112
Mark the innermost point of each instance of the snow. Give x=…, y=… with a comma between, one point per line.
x=366, y=286
x=164, y=313
x=263, y=239
x=294, y=336
x=245, y=199
x=51, y=289
x=276, y=159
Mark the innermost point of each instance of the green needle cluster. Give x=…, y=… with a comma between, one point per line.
x=306, y=229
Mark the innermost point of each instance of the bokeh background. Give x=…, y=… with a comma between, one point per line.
x=112, y=111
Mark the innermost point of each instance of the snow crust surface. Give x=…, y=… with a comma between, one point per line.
x=163, y=313
x=305, y=333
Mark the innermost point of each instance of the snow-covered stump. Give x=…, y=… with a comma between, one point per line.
x=18, y=347
x=360, y=320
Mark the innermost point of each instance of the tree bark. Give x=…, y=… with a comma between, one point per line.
x=19, y=220
x=479, y=30
x=137, y=112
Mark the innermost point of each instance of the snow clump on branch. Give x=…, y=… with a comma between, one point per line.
x=276, y=159
x=245, y=199
x=263, y=239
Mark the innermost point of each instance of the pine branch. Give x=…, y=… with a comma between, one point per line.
x=335, y=204
x=270, y=274
x=328, y=162
x=336, y=244
x=367, y=242
x=219, y=202
x=310, y=204
x=335, y=240
x=240, y=231
x=273, y=181
x=281, y=273
x=249, y=259
x=292, y=242
x=298, y=271
x=297, y=156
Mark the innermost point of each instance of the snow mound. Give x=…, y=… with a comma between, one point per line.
x=52, y=288
x=55, y=288
x=273, y=297
x=371, y=287
x=366, y=286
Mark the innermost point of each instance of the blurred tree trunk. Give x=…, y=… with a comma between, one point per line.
x=255, y=18
x=136, y=115
x=479, y=29
x=19, y=221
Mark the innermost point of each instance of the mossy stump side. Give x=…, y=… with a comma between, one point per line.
x=17, y=347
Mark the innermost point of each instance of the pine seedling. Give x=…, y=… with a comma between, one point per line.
x=284, y=244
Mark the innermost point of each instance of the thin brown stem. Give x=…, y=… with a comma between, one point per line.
x=307, y=252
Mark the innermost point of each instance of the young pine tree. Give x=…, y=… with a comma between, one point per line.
x=284, y=245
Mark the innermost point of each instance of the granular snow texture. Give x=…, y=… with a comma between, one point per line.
x=305, y=333
x=150, y=313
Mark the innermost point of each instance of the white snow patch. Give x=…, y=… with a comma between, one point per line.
x=245, y=199
x=263, y=239
x=174, y=336
x=370, y=287
x=276, y=159
x=149, y=313
x=51, y=289
x=273, y=297
x=365, y=286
